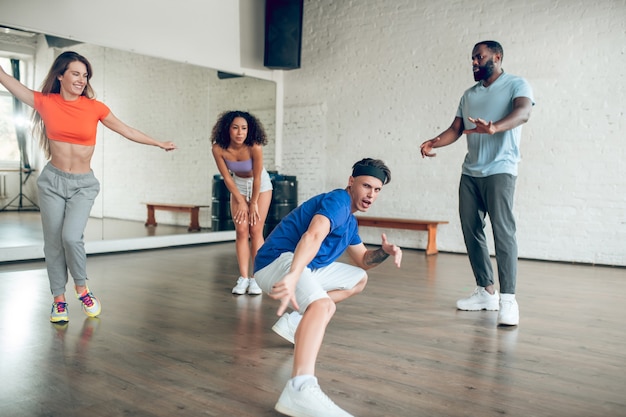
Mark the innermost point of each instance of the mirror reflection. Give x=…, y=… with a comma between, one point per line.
x=166, y=99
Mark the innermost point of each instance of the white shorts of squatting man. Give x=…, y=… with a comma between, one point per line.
x=314, y=284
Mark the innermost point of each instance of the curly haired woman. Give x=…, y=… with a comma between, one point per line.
x=237, y=140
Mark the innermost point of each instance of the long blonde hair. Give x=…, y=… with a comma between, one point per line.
x=52, y=85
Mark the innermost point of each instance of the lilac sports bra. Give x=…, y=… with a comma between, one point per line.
x=239, y=166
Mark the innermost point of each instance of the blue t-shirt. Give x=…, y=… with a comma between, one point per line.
x=498, y=153
x=344, y=232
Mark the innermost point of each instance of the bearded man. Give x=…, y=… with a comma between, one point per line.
x=491, y=114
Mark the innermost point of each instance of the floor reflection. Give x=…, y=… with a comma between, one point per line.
x=249, y=334
x=24, y=229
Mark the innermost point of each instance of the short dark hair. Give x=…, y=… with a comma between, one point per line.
x=374, y=163
x=494, y=47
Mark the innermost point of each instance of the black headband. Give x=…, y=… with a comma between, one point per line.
x=369, y=170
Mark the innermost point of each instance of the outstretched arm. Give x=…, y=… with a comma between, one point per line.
x=367, y=259
x=133, y=134
x=448, y=136
x=520, y=114
x=19, y=90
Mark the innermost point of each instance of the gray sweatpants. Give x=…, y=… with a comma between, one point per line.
x=491, y=195
x=65, y=201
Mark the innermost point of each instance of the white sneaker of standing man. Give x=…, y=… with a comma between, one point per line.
x=479, y=300
x=509, y=310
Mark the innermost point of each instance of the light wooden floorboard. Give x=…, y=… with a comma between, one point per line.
x=173, y=341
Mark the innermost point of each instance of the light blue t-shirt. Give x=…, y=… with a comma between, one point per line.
x=498, y=153
x=334, y=205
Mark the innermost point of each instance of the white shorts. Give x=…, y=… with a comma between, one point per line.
x=313, y=284
x=244, y=185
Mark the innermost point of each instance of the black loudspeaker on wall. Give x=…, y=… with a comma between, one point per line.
x=283, y=33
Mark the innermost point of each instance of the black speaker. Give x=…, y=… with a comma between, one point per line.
x=283, y=33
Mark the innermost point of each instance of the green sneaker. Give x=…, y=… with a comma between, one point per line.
x=91, y=305
x=59, y=312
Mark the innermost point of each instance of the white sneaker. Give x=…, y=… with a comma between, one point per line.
x=479, y=300
x=509, y=310
x=308, y=401
x=286, y=326
x=253, y=287
x=242, y=286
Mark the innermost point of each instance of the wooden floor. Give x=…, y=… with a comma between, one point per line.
x=173, y=341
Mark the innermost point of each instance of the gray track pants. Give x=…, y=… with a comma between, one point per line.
x=491, y=195
x=65, y=200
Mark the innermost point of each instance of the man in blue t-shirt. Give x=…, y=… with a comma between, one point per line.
x=296, y=265
x=491, y=114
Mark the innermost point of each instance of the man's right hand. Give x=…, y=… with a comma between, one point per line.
x=426, y=148
x=285, y=291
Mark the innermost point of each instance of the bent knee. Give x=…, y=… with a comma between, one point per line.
x=360, y=286
x=325, y=305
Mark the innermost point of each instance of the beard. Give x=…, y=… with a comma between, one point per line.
x=485, y=71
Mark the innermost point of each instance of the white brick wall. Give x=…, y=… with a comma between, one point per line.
x=377, y=79
x=305, y=146
x=380, y=77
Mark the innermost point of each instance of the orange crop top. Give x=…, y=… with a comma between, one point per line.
x=70, y=121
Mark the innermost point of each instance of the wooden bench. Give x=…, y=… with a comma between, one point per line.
x=193, y=209
x=409, y=224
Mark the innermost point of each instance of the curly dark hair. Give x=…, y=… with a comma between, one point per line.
x=220, y=133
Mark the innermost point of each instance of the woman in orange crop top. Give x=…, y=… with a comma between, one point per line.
x=237, y=140
x=65, y=121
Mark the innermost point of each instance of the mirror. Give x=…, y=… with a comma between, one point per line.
x=167, y=100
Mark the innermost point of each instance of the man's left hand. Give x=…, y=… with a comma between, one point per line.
x=392, y=250
x=482, y=126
